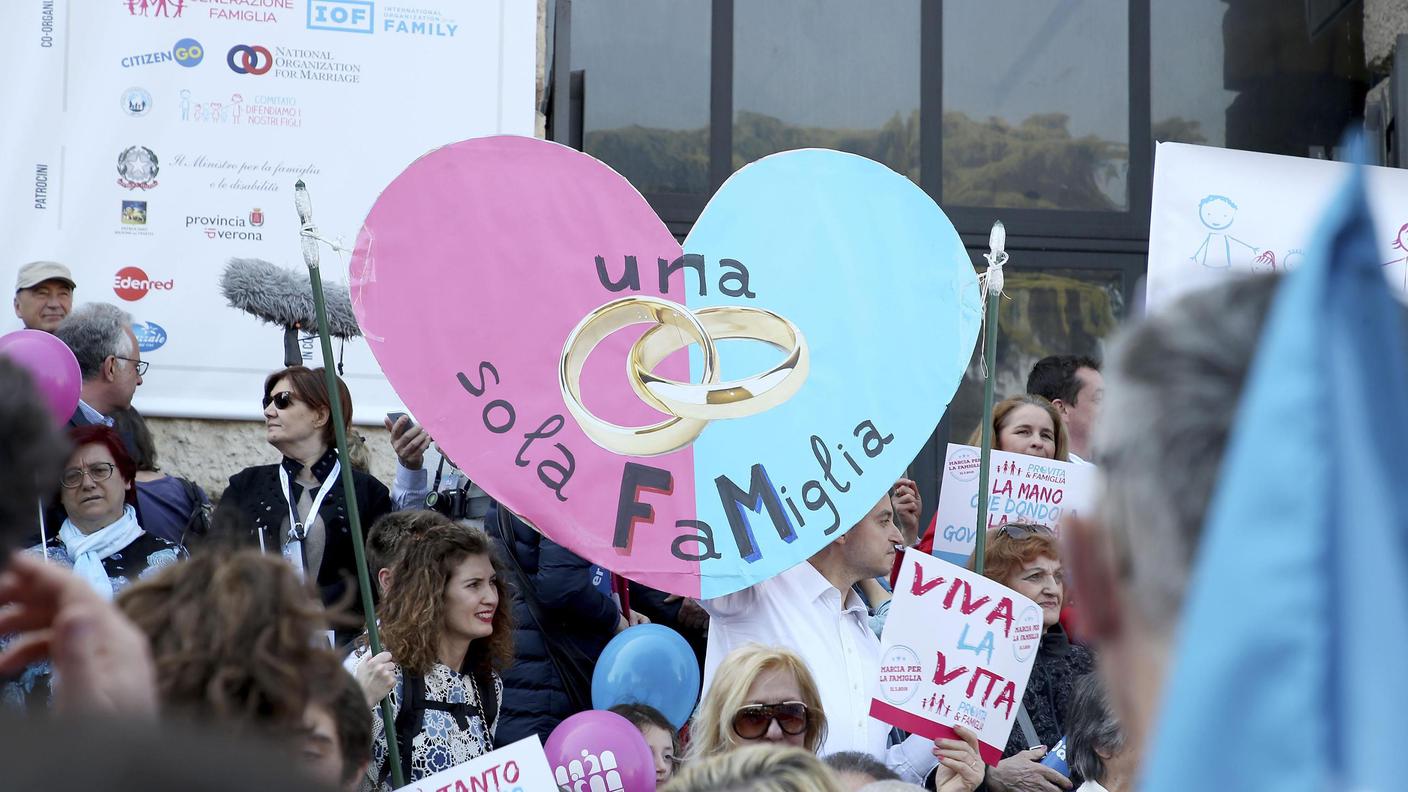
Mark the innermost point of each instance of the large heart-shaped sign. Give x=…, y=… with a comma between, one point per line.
x=697, y=420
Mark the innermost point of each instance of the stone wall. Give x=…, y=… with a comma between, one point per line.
x=1384, y=21
x=209, y=452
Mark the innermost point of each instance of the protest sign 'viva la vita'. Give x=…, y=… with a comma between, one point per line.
x=957, y=651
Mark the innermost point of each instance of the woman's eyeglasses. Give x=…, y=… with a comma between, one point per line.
x=282, y=400
x=754, y=720
x=98, y=471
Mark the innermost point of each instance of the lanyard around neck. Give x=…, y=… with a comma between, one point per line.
x=297, y=530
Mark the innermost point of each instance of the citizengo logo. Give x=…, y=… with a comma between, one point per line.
x=244, y=59
x=132, y=284
x=188, y=52
x=345, y=16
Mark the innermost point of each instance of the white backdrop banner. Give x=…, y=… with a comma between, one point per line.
x=1220, y=212
x=146, y=142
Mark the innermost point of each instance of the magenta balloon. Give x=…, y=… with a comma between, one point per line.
x=51, y=365
x=597, y=744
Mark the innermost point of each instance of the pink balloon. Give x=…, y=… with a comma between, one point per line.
x=51, y=365
x=597, y=749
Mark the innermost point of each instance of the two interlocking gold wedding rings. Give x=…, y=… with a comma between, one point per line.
x=690, y=406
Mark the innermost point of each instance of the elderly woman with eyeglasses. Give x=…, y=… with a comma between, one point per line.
x=99, y=536
x=296, y=506
x=1027, y=558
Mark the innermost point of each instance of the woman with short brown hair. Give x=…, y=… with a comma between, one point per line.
x=296, y=507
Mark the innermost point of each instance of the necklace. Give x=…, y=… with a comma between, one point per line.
x=479, y=707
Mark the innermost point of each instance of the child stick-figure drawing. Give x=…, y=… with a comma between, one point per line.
x=1217, y=213
x=1401, y=243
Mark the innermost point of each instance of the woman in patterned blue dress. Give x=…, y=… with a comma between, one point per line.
x=442, y=622
x=99, y=537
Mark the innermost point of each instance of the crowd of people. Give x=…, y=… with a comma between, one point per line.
x=133, y=601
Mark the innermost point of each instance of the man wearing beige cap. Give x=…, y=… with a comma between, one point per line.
x=43, y=295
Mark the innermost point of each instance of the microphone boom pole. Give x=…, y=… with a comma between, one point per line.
x=309, y=234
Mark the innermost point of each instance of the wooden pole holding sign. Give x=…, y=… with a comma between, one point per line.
x=309, y=235
x=992, y=289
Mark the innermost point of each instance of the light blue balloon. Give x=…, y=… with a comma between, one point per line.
x=648, y=664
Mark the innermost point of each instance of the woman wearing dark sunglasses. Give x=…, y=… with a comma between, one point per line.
x=760, y=694
x=297, y=507
x=765, y=695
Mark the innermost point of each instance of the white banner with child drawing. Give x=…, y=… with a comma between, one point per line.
x=1219, y=213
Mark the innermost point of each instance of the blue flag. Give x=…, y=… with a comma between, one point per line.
x=1290, y=668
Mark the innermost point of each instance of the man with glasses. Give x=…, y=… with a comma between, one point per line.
x=101, y=337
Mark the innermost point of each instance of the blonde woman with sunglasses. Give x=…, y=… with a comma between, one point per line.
x=761, y=694
x=765, y=696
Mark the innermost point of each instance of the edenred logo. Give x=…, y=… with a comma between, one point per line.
x=132, y=284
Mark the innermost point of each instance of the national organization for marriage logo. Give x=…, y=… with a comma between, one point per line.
x=246, y=59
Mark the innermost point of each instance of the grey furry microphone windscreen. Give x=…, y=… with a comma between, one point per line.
x=284, y=297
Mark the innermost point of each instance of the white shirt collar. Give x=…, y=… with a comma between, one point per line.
x=812, y=586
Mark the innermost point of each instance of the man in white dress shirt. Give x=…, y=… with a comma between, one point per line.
x=813, y=610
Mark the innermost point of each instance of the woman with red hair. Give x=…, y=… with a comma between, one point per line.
x=1027, y=558
x=99, y=537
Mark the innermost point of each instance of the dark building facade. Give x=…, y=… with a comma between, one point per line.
x=1041, y=113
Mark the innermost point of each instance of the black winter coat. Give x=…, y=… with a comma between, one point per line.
x=252, y=505
x=535, y=699
x=1058, y=663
